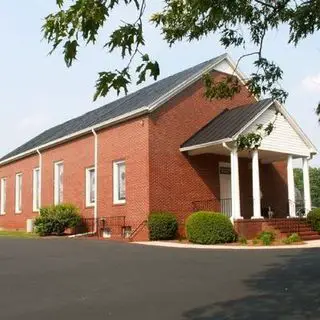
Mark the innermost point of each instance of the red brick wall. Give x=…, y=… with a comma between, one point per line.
x=176, y=179
x=76, y=156
x=11, y=220
x=158, y=175
x=127, y=141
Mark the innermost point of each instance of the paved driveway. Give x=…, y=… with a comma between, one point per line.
x=87, y=279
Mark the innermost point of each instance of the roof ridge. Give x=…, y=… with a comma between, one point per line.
x=131, y=95
x=119, y=108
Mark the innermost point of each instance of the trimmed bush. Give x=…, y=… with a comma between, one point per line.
x=209, y=228
x=56, y=219
x=267, y=237
x=294, y=237
x=162, y=226
x=313, y=219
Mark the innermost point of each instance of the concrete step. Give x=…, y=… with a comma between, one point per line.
x=291, y=229
x=308, y=233
x=311, y=237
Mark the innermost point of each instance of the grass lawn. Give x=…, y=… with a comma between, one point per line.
x=18, y=234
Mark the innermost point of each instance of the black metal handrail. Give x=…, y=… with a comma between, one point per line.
x=137, y=229
x=114, y=223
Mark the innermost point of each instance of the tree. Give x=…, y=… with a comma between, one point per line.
x=237, y=21
x=314, y=184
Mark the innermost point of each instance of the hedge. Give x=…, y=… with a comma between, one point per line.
x=313, y=218
x=56, y=219
x=162, y=226
x=209, y=228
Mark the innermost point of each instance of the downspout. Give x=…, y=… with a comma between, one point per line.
x=95, y=208
x=40, y=178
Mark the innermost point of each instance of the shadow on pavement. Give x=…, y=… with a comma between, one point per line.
x=288, y=290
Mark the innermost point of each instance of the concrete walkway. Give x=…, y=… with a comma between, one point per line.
x=172, y=244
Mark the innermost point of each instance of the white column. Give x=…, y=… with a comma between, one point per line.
x=235, y=186
x=306, y=185
x=291, y=189
x=256, y=194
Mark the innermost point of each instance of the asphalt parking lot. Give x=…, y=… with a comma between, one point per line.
x=88, y=279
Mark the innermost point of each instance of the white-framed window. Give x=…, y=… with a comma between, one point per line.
x=119, y=182
x=3, y=196
x=18, y=193
x=36, y=189
x=90, y=186
x=58, y=182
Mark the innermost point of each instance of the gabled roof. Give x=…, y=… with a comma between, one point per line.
x=145, y=99
x=228, y=123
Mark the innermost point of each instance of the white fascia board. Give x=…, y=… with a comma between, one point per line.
x=296, y=127
x=235, y=137
x=129, y=115
x=184, y=85
x=79, y=133
x=204, y=145
x=236, y=69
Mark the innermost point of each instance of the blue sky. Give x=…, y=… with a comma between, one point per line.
x=38, y=91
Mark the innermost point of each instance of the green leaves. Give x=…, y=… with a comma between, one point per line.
x=147, y=65
x=117, y=80
x=236, y=22
x=222, y=89
x=81, y=24
x=70, y=52
x=126, y=38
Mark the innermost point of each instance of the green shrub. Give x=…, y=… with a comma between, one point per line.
x=56, y=219
x=313, y=218
x=294, y=237
x=267, y=237
x=242, y=240
x=162, y=226
x=209, y=228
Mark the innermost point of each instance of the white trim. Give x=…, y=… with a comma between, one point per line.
x=132, y=114
x=95, y=210
x=204, y=145
x=291, y=188
x=288, y=117
x=56, y=184
x=235, y=185
x=306, y=185
x=116, y=186
x=160, y=101
x=90, y=203
x=296, y=127
x=3, y=196
x=40, y=178
x=256, y=193
x=18, y=193
x=36, y=189
x=253, y=120
x=238, y=72
x=79, y=133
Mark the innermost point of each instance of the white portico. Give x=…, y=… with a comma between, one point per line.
x=286, y=143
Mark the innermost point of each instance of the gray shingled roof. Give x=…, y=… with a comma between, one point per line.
x=129, y=103
x=226, y=124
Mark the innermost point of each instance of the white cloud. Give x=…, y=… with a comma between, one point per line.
x=312, y=83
